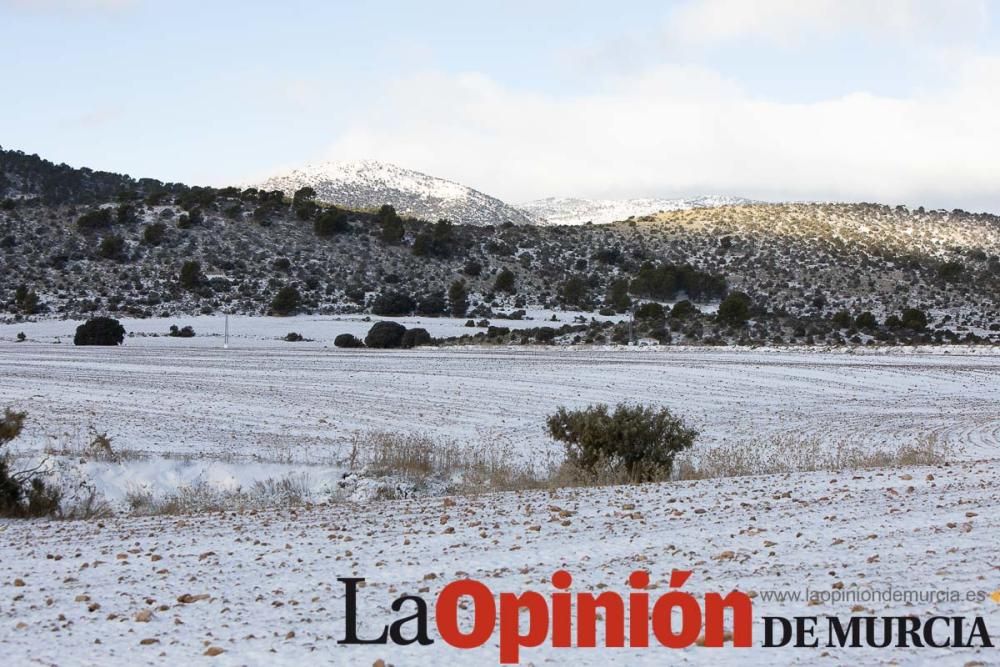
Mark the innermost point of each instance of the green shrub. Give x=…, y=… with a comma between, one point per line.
x=100, y=331
x=842, y=319
x=636, y=442
x=330, y=222
x=385, y=335
x=683, y=310
x=505, y=281
x=393, y=303
x=650, y=311
x=286, y=301
x=866, y=321
x=734, y=309
x=190, y=276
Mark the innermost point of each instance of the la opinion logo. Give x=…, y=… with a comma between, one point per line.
x=551, y=618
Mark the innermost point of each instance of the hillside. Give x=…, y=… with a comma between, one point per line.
x=575, y=211
x=808, y=270
x=368, y=184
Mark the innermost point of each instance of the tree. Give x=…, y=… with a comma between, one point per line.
x=432, y=304
x=842, y=319
x=866, y=321
x=94, y=220
x=734, y=309
x=100, y=331
x=683, y=310
x=26, y=300
x=385, y=335
x=112, y=247
x=303, y=203
x=153, y=234
x=286, y=301
x=390, y=224
x=914, y=318
x=505, y=281
x=458, y=298
x=650, y=311
x=617, y=296
x=190, y=276
x=635, y=441
x=393, y=303
x=330, y=222
x=574, y=292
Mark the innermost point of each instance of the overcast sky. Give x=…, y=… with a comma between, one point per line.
x=894, y=101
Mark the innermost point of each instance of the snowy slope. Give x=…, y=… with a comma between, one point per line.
x=262, y=587
x=369, y=184
x=574, y=211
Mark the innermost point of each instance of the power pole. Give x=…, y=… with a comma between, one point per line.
x=225, y=344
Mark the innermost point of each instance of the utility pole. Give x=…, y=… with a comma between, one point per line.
x=225, y=344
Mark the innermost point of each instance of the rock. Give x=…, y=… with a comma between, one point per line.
x=213, y=651
x=142, y=616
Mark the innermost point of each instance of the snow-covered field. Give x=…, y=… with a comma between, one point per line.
x=79, y=592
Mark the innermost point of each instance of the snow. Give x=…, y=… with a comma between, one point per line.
x=194, y=413
x=272, y=596
x=576, y=211
x=369, y=184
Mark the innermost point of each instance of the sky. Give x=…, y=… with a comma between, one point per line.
x=894, y=101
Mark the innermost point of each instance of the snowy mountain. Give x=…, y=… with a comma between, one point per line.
x=369, y=184
x=573, y=211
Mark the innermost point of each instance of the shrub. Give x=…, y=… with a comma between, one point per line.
x=186, y=332
x=286, y=301
x=432, y=305
x=866, y=321
x=190, y=276
x=112, y=247
x=100, y=331
x=393, y=303
x=650, y=311
x=347, y=340
x=94, y=220
x=472, y=268
x=842, y=319
x=331, y=222
x=293, y=337
x=415, y=338
x=385, y=335
x=22, y=493
x=153, y=234
x=458, y=298
x=734, y=309
x=505, y=281
x=637, y=442
x=913, y=318
x=390, y=223
x=683, y=309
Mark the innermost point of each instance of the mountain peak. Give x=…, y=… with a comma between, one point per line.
x=371, y=183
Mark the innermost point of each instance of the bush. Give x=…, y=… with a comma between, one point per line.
x=913, y=318
x=866, y=321
x=734, y=309
x=650, y=311
x=286, y=301
x=153, y=234
x=112, y=247
x=385, y=335
x=432, y=305
x=458, y=298
x=415, y=338
x=293, y=337
x=347, y=340
x=94, y=220
x=331, y=222
x=23, y=494
x=186, y=332
x=636, y=442
x=505, y=282
x=190, y=276
x=100, y=331
x=683, y=309
x=393, y=303
x=842, y=319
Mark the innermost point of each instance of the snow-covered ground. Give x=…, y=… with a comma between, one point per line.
x=108, y=592
x=84, y=593
x=266, y=408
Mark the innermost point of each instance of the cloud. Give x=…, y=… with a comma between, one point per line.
x=791, y=21
x=681, y=129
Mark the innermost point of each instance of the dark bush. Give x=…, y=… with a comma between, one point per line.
x=94, y=220
x=385, y=335
x=458, y=298
x=415, y=338
x=635, y=442
x=734, y=309
x=866, y=321
x=185, y=332
x=286, y=301
x=683, y=310
x=153, y=234
x=842, y=319
x=650, y=311
x=914, y=318
x=347, y=340
x=432, y=305
x=505, y=281
x=393, y=303
x=190, y=276
x=23, y=494
x=330, y=222
x=100, y=331
x=293, y=337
